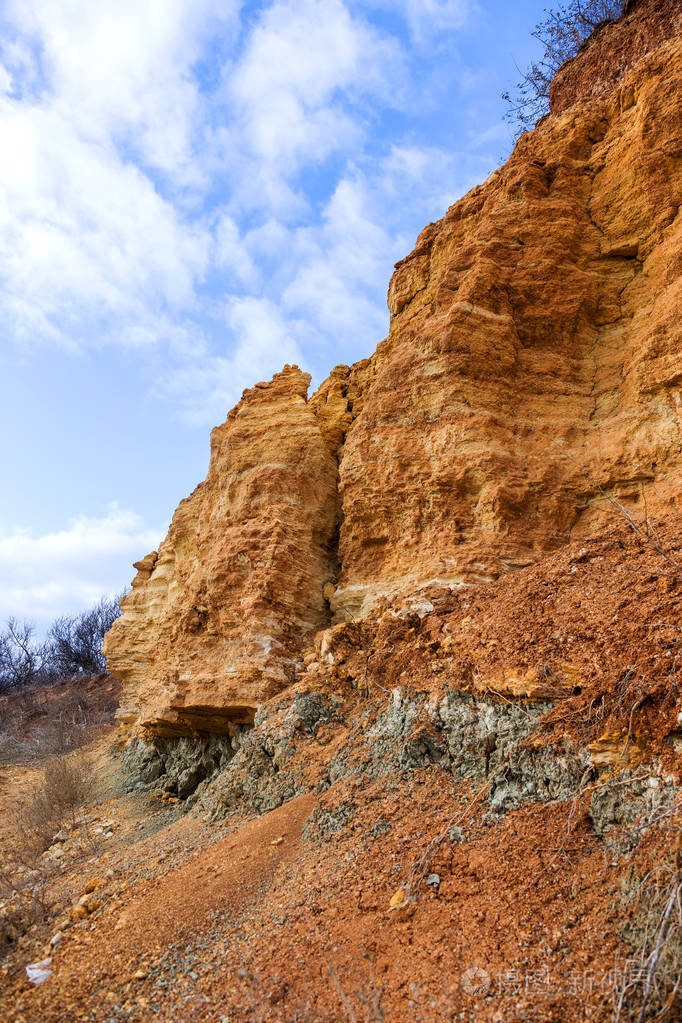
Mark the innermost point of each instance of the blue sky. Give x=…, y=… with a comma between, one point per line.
x=192, y=193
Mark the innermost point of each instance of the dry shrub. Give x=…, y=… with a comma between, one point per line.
x=562, y=33
x=66, y=732
x=62, y=789
x=64, y=786
x=30, y=728
x=651, y=987
x=652, y=984
x=25, y=894
x=12, y=750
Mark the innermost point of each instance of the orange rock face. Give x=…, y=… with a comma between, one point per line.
x=614, y=48
x=215, y=621
x=535, y=351
x=532, y=373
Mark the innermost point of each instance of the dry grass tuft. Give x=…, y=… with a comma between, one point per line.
x=63, y=787
x=652, y=984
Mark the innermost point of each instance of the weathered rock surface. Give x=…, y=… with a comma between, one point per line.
x=402, y=691
x=535, y=346
x=214, y=622
x=532, y=372
x=615, y=47
x=628, y=799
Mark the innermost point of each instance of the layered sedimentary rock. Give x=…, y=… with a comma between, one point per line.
x=532, y=373
x=214, y=622
x=534, y=351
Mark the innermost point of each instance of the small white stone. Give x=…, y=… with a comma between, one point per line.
x=39, y=972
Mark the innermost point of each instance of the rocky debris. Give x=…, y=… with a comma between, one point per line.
x=241, y=768
x=531, y=891
x=398, y=899
x=261, y=776
x=77, y=837
x=456, y=718
x=308, y=711
x=630, y=801
x=617, y=750
x=462, y=734
x=470, y=710
x=550, y=773
x=90, y=902
x=466, y=735
x=180, y=765
x=325, y=822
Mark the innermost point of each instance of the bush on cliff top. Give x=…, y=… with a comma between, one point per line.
x=562, y=33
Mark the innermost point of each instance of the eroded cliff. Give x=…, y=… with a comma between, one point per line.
x=532, y=371
x=534, y=351
x=216, y=619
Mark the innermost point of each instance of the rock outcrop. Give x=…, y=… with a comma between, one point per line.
x=216, y=619
x=614, y=47
x=531, y=376
x=534, y=352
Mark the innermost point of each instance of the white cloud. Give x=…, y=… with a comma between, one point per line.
x=305, y=65
x=428, y=178
x=219, y=197
x=5, y=80
x=124, y=69
x=138, y=202
x=66, y=571
x=231, y=254
x=90, y=249
x=84, y=238
x=427, y=18
x=329, y=294
x=342, y=266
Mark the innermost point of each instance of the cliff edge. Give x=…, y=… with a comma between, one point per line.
x=532, y=372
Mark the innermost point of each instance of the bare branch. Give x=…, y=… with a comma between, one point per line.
x=562, y=33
